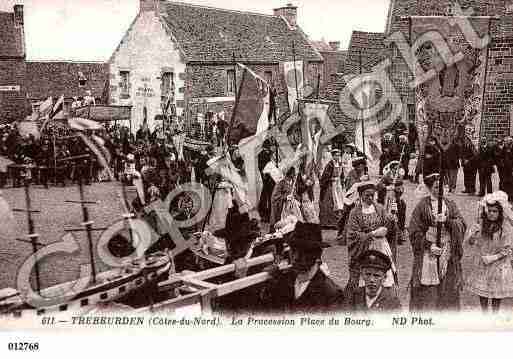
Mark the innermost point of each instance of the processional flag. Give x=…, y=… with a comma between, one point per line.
x=368, y=129
x=294, y=79
x=252, y=111
x=448, y=104
x=54, y=112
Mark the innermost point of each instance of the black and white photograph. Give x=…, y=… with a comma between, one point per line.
x=343, y=165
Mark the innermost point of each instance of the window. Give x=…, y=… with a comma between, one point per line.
x=81, y=79
x=268, y=76
x=124, y=84
x=104, y=296
x=63, y=308
x=84, y=302
x=41, y=311
x=230, y=83
x=166, y=84
x=167, y=89
x=122, y=289
x=35, y=107
x=139, y=281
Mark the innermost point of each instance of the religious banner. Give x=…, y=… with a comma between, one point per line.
x=251, y=113
x=293, y=71
x=449, y=100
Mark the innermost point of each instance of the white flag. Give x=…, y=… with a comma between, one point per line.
x=294, y=80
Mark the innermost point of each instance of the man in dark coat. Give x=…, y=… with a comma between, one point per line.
x=504, y=164
x=469, y=156
x=373, y=297
x=485, y=168
x=390, y=151
x=431, y=157
x=306, y=288
x=451, y=165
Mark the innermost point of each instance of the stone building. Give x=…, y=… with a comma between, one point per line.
x=12, y=65
x=66, y=78
x=185, y=53
x=334, y=60
x=24, y=84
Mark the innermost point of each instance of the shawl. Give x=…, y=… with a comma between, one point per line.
x=420, y=222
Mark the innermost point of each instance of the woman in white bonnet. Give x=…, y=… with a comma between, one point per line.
x=491, y=277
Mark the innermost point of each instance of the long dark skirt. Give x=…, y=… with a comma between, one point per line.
x=329, y=218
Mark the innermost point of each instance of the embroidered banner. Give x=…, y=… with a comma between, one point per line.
x=448, y=104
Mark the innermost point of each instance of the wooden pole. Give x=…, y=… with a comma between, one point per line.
x=362, y=110
x=54, y=158
x=89, y=228
x=440, y=207
x=295, y=76
x=237, y=99
x=33, y=236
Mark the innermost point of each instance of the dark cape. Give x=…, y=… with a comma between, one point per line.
x=327, y=213
x=321, y=295
x=278, y=199
x=448, y=292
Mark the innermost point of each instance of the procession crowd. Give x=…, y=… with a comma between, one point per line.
x=370, y=215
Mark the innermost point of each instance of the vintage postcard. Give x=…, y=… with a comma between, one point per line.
x=230, y=166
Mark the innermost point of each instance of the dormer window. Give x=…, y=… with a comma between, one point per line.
x=82, y=80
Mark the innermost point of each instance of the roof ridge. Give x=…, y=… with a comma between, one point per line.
x=219, y=9
x=67, y=61
x=369, y=32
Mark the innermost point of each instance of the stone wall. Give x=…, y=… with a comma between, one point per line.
x=498, y=99
x=13, y=104
x=146, y=52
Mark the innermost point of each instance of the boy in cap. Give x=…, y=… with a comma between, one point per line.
x=306, y=287
x=373, y=296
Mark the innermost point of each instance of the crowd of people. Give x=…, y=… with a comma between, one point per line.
x=370, y=215
x=368, y=212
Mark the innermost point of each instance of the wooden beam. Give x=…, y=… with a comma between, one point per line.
x=242, y=283
x=218, y=271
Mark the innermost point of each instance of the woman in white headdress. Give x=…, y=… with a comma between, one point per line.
x=491, y=277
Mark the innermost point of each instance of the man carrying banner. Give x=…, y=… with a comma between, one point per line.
x=436, y=275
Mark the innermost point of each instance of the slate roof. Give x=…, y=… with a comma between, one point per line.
x=206, y=34
x=321, y=46
x=61, y=78
x=11, y=37
x=405, y=8
x=370, y=44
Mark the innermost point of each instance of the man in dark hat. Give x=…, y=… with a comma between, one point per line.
x=306, y=287
x=239, y=232
x=373, y=296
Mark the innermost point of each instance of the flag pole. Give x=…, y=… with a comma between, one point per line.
x=362, y=110
x=225, y=150
x=295, y=76
x=54, y=158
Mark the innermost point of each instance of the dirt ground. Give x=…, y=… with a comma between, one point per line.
x=59, y=267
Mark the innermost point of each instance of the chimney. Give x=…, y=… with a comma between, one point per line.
x=335, y=45
x=18, y=15
x=289, y=12
x=149, y=5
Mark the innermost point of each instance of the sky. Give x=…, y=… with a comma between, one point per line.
x=90, y=30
